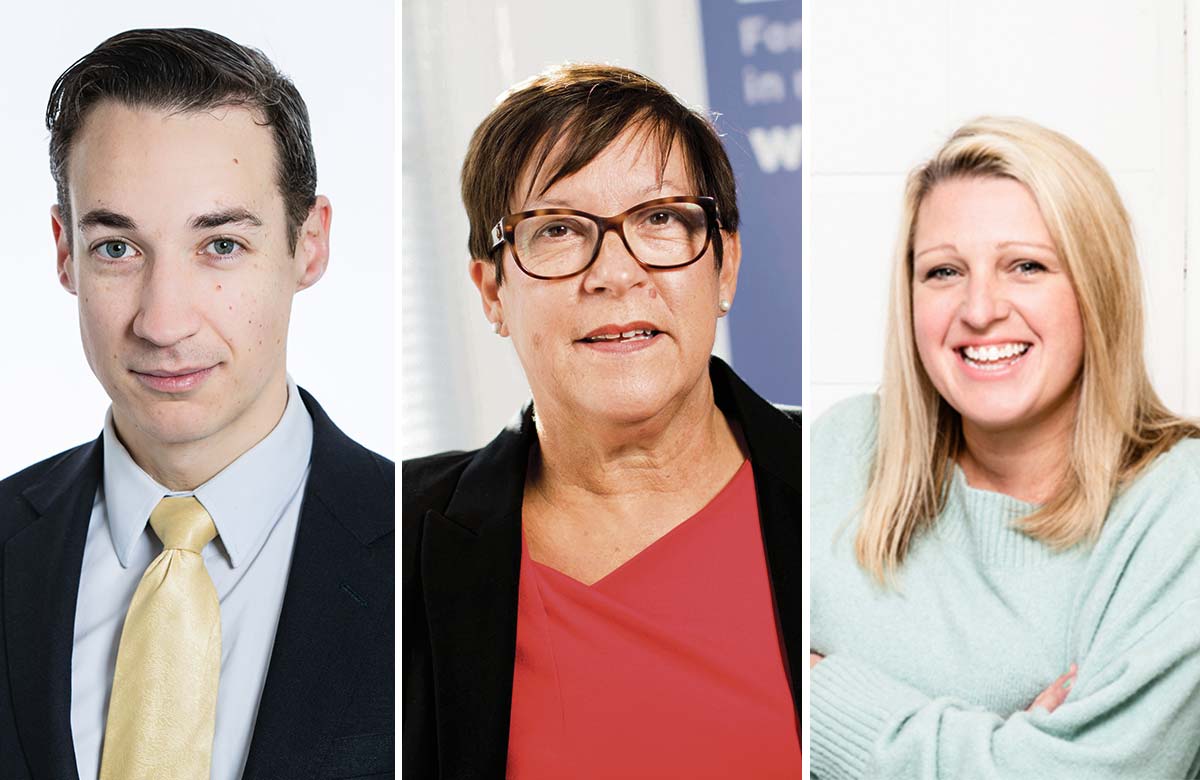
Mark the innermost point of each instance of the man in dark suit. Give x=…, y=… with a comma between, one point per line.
x=207, y=589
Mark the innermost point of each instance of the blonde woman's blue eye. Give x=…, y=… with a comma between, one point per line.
x=1030, y=266
x=115, y=250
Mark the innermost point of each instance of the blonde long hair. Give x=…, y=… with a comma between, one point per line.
x=1120, y=425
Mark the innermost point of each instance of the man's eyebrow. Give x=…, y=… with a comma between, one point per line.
x=215, y=219
x=106, y=218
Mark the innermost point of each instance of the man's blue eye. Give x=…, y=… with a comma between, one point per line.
x=224, y=246
x=115, y=250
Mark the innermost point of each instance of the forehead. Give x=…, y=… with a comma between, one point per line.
x=146, y=161
x=630, y=168
x=979, y=207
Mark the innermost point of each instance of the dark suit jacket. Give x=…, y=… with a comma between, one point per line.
x=461, y=566
x=328, y=703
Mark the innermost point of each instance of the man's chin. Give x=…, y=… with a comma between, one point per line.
x=168, y=423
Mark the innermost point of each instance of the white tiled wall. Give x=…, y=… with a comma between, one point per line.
x=889, y=81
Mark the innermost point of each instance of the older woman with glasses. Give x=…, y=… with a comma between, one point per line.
x=611, y=587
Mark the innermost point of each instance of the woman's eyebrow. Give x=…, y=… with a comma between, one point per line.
x=951, y=247
x=1034, y=244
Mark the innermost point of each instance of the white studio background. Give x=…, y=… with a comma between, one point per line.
x=890, y=81
x=460, y=383
x=342, y=336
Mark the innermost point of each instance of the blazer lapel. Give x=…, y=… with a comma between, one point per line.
x=774, y=440
x=338, y=602
x=41, y=585
x=471, y=559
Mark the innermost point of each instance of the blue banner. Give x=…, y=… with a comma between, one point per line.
x=752, y=58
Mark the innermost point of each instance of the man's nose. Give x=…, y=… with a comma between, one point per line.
x=167, y=313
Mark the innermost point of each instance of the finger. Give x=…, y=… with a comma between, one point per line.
x=814, y=659
x=1056, y=693
x=1051, y=698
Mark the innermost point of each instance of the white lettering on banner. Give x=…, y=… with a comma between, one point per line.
x=776, y=147
x=775, y=37
x=762, y=86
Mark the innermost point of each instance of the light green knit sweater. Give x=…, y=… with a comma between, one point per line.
x=932, y=679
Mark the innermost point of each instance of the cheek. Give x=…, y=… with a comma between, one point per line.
x=931, y=314
x=250, y=313
x=1062, y=324
x=1054, y=315
x=106, y=312
x=533, y=315
x=693, y=301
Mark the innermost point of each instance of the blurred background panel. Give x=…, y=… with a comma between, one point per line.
x=890, y=81
x=459, y=382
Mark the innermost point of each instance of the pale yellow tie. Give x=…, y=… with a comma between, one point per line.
x=164, y=693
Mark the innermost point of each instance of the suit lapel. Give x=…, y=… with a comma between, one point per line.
x=471, y=558
x=337, y=603
x=41, y=586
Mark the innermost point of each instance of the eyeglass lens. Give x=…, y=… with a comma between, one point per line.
x=662, y=235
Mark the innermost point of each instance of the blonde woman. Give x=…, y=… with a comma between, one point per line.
x=1015, y=503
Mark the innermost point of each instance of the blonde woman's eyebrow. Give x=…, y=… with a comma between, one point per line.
x=1033, y=244
x=927, y=250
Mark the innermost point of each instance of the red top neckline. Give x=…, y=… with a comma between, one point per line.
x=669, y=666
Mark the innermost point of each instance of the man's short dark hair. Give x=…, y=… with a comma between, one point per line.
x=184, y=70
x=585, y=106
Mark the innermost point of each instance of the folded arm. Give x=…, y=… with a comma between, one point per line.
x=1130, y=714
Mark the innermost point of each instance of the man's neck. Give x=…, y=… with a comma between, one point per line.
x=183, y=466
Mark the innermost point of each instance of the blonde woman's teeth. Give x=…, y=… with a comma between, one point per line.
x=994, y=353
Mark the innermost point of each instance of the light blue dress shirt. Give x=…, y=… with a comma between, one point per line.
x=255, y=504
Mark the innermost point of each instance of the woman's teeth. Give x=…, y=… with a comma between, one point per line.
x=626, y=336
x=991, y=355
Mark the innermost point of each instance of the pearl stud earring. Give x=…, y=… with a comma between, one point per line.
x=724, y=305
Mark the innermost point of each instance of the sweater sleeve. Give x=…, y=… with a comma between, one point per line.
x=1141, y=720
x=1134, y=710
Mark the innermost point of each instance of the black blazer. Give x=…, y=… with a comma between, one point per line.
x=328, y=702
x=461, y=566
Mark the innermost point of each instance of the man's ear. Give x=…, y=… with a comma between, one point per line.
x=312, y=244
x=483, y=274
x=731, y=261
x=62, y=251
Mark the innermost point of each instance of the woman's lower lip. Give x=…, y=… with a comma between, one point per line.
x=621, y=346
x=1001, y=371
x=180, y=383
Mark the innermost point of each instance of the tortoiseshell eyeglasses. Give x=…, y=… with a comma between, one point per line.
x=555, y=243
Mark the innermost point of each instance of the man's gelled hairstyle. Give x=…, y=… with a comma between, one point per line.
x=184, y=70
x=579, y=109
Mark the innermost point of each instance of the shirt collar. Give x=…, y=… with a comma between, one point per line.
x=245, y=499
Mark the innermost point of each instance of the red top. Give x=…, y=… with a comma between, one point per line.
x=670, y=666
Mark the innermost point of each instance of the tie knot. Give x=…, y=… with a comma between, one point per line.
x=182, y=523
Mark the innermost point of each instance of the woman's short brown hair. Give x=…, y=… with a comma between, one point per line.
x=588, y=106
